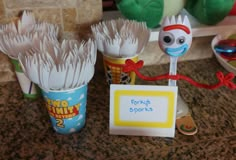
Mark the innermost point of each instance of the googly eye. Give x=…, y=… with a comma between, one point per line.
x=168, y=39
x=180, y=40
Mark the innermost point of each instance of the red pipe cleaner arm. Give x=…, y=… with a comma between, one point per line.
x=224, y=80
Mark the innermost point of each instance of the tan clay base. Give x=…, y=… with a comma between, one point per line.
x=186, y=125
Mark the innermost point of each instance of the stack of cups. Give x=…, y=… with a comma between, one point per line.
x=119, y=40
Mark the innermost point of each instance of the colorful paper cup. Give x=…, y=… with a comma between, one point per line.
x=113, y=70
x=29, y=89
x=67, y=109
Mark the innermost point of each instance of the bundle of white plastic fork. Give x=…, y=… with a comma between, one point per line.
x=27, y=24
x=121, y=38
x=21, y=26
x=13, y=44
x=54, y=66
x=18, y=38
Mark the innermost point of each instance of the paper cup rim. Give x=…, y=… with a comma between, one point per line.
x=68, y=90
x=110, y=57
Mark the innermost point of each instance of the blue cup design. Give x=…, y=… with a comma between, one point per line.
x=67, y=109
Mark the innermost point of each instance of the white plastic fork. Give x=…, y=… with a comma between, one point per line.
x=112, y=47
x=129, y=47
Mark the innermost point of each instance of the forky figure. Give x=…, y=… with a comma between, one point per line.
x=175, y=38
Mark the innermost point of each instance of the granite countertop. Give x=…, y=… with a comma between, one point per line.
x=26, y=131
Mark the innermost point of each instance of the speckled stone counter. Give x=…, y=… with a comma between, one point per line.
x=26, y=132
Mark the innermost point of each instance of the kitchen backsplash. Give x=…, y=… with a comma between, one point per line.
x=73, y=16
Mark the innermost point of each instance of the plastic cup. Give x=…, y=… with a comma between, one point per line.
x=67, y=109
x=113, y=70
x=29, y=89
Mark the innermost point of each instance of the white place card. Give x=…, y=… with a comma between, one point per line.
x=143, y=110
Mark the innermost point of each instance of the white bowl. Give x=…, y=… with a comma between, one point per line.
x=221, y=60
